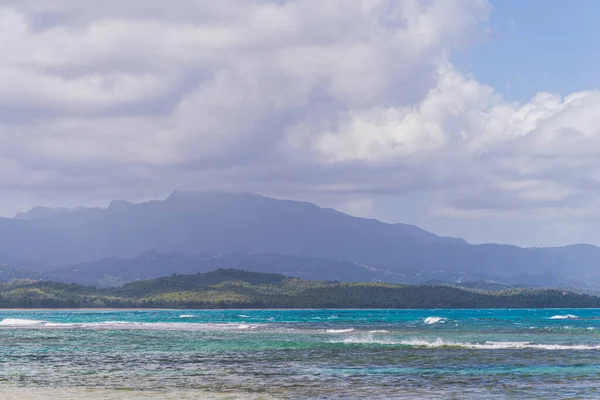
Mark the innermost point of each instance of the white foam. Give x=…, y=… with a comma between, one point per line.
x=243, y=316
x=129, y=325
x=440, y=343
x=365, y=339
x=567, y=316
x=490, y=345
x=340, y=330
x=58, y=325
x=20, y=322
x=246, y=326
x=379, y=331
x=187, y=316
x=433, y=320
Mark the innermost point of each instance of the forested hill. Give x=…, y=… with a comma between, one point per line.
x=228, y=288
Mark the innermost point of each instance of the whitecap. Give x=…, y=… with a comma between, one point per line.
x=433, y=320
x=488, y=345
x=187, y=316
x=340, y=330
x=379, y=331
x=59, y=324
x=243, y=316
x=491, y=345
x=125, y=325
x=246, y=326
x=365, y=340
x=20, y=322
x=567, y=316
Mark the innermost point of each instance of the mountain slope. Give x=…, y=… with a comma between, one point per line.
x=9, y=274
x=226, y=223
x=196, y=223
x=114, y=272
x=150, y=265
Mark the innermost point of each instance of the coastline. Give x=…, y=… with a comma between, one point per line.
x=286, y=309
x=292, y=309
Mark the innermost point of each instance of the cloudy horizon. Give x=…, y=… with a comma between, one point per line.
x=416, y=111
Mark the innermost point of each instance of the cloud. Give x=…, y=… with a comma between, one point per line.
x=293, y=98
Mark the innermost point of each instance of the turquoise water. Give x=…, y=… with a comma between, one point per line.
x=301, y=353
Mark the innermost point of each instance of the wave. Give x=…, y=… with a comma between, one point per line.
x=20, y=322
x=340, y=330
x=187, y=316
x=130, y=325
x=365, y=339
x=488, y=345
x=433, y=320
x=379, y=331
x=246, y=326
x=567, y=316
x=243, y=316
x=17, y=322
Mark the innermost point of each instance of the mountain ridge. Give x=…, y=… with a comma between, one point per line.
x=241, y=223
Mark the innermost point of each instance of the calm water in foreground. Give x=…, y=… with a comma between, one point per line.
x=300, y=354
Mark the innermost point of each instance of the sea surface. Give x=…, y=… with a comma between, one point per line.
x=179, y=354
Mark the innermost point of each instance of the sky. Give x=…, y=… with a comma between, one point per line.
x=468, y=118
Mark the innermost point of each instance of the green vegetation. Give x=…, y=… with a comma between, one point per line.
x=229, y=288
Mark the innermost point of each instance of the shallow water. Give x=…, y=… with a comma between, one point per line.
x=300, y=354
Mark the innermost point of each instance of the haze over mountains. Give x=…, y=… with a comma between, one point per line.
x=114, y=271
x=268, y=235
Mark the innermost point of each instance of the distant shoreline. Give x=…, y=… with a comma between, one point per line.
x=231, y=289
x=289, y=309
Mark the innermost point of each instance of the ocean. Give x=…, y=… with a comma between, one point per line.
x=343, y=354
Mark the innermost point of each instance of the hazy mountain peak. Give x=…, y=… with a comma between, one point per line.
x=45, y=212
x=233, y=223
x=117, y=204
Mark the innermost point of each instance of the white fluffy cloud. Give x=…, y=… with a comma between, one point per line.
x=311, y=98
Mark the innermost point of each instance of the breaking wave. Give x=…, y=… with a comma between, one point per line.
x=567, y=316
x=20, y=322
x=488, y=345
x=340, y=330
x=433, y=320
x=175, y=326
x=246, y=326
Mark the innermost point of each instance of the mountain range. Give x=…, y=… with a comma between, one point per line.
x=208, y=230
